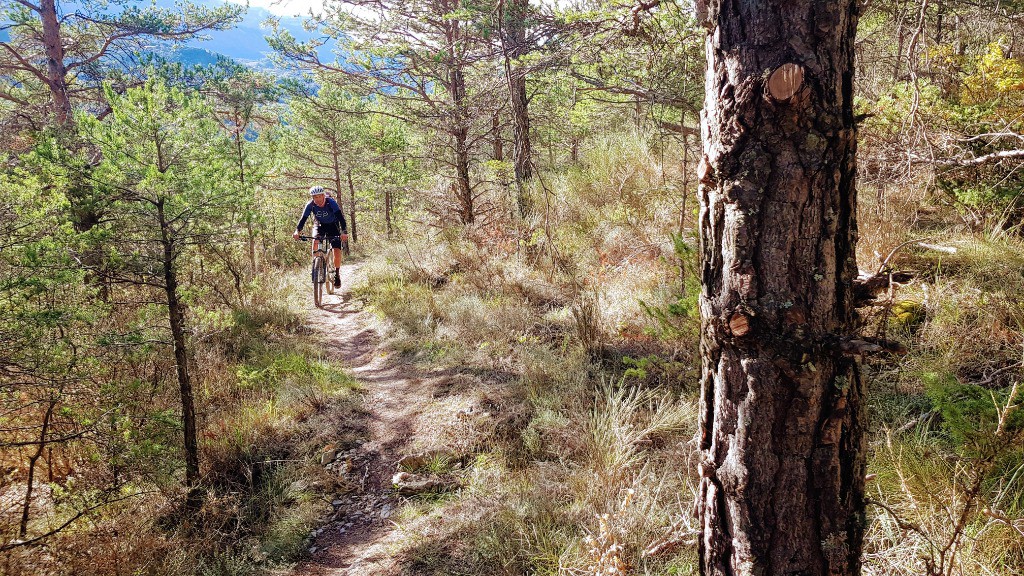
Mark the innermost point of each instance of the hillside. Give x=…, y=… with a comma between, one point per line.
x=624, y=288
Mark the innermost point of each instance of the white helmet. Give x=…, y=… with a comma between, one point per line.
x=316, y=190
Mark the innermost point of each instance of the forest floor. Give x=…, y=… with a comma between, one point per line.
x=361, y=536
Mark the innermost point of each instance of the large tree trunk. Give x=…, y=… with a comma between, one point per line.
x=497, y=146
x=463, y=188
x=782, y=423
x=336, y=169
x=176, y=318
x=85, y=212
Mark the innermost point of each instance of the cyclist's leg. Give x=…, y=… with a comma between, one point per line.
x=332, y=234
x=316, y=237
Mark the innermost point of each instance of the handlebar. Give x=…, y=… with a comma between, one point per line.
x=305, y=238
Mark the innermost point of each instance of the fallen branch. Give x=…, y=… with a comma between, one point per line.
x=992, y=157
x=885, y=261
x=938, y=248
x=903, y=524
x=37, y=539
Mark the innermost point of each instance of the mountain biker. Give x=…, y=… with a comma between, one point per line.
x=328, y=218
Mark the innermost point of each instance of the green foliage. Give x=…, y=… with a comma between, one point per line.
x=975, y=98
x=653, y=370
x=677, y=320
x=293, y=371
x=974, y=417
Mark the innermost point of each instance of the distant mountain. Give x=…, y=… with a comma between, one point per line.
x=246, y=42
x=192, y=56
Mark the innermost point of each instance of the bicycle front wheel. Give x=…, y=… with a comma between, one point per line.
x=319, y=273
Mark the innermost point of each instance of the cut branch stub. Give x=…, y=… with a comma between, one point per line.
x=705, y=173
x=785, y=81
x=739, y=325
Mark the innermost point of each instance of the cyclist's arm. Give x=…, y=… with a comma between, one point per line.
x=305, y=214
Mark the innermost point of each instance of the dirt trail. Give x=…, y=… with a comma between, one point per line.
x=360, y=539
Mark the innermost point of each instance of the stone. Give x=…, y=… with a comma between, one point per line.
x=328, y=455
x=411, y=484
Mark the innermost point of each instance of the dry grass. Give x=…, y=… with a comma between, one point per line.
x=268, y=402
x=929, y=518
x=948, y=490
x=596, y=352
x=570, y=436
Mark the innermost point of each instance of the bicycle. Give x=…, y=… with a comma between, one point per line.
x=322, y=268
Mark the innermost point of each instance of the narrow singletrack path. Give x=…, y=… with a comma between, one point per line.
x=360, y=538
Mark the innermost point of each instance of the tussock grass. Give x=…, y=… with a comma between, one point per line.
x=947, y=487
x=544, y=324
x=583, y=338
x=927, y=511
x=962, y=316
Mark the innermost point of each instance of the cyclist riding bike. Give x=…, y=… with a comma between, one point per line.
x=329, y=223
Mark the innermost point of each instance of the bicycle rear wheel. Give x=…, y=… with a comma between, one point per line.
x=318, y=274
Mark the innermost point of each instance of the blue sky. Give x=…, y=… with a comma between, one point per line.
x=288, y=7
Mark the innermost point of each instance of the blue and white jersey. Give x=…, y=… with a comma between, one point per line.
x=329, y=213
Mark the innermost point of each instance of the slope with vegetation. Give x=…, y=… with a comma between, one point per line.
x=167, y=390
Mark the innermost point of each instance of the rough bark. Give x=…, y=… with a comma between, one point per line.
x=782, y=423
x=498, y=146
x=517, y=47
x=56, y=70
x=176, y=318
x=336, y=168
x=463, y=186
x=81, y=195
